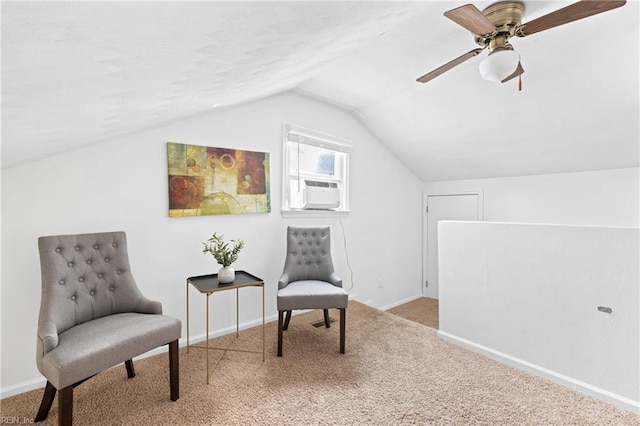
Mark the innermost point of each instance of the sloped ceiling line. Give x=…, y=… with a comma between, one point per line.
x=77, y=73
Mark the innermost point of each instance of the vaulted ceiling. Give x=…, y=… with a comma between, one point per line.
x=78, y=73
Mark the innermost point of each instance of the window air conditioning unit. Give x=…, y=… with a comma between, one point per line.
x=321, y=195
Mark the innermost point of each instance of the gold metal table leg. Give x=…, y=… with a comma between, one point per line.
x=237, y=313
x=207, y=337
x=262, y=322
x=187, y=316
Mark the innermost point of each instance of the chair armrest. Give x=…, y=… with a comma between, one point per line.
x=48, y=335
x=148, y=306
x=335, y=279
x=283, y=281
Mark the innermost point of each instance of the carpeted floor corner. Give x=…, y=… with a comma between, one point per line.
x=423, y=310
x=395, y=372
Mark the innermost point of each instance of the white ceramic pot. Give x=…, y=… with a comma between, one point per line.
x=226, y=275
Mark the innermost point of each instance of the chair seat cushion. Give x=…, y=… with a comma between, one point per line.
x=94, y=346
x=311, y=294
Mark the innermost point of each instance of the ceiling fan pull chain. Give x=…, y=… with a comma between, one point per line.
x=520, y=83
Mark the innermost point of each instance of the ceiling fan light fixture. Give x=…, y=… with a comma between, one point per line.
x=499, y=65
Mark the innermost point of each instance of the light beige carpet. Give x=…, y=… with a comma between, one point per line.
x=423, y=310
x=395, y=372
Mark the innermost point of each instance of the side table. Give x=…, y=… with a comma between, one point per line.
x=209, y=284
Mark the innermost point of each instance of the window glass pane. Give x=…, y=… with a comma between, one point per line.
x=313, y=160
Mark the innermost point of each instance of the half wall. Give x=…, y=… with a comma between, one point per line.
x=559, y=301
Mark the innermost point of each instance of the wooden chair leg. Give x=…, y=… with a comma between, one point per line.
x=343, y=323
x=286, y=321
x=47, y=402
x=280, y=326
x=131, y=372
x=174, y=370
x=326, y=318
x=65, y=406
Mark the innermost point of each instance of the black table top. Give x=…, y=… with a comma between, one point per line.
x=210, y=283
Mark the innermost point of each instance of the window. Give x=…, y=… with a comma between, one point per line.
x=316, y=170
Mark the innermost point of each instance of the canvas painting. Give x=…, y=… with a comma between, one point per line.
x=211, y=181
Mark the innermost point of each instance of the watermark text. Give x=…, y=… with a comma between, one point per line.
x=6, y=420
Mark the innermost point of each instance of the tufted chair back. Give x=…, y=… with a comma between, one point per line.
x=308, y=253
x=85, y=277
x=93, y=317
x=308, y=280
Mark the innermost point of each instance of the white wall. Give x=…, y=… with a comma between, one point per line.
x=604, y=198
x=122, y=185
x=529, y=295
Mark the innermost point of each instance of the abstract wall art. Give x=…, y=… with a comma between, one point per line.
x=210, y=181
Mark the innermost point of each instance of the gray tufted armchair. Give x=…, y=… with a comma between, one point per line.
x=93, y=316
x=309, y=280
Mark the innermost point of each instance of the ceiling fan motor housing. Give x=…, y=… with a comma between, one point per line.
x=506, y=16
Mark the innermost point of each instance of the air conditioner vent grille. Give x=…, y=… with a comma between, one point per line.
x=321, y=195
x=321, y=184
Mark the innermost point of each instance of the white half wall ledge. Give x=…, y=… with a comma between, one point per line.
x=601, y=394
x=559, y=301
x=551, y=225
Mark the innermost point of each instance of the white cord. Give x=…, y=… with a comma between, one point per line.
x=346, y=252
x=298, y=168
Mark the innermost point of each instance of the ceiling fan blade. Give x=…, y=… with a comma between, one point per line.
x=472, y=19
x=519, y=71
x=446, y=67
x=573, y=12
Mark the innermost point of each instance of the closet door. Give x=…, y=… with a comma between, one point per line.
x=464, y=206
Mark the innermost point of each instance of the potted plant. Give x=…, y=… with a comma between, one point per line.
x=225, y=255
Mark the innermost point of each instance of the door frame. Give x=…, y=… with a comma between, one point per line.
x=425, y=228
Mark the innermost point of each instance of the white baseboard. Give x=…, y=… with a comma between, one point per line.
x=402, y=302
x=601, y=394
x=23, y=387
x=29, y=385
x=224, y=331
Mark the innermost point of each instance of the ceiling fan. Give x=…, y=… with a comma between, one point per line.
x=494, y=26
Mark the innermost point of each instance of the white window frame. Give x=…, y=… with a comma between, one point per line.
x=296, y=134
